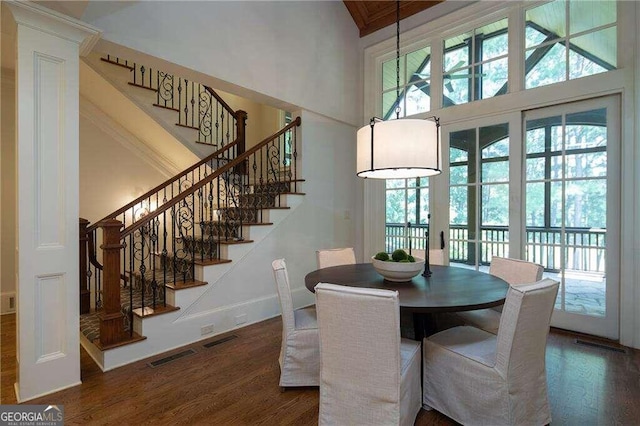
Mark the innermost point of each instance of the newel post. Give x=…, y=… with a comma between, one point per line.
x=85, y=293
x=111, y=318
x=241, y=124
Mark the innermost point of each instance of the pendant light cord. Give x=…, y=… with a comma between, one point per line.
x=398, y=59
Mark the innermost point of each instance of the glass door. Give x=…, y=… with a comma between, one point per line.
x=481, y=179
x=571, y=214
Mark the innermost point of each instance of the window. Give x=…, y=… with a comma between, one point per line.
x=407, y=202
x=565, y=40
x=415, y=90
x=475, y=64
x=288, y=148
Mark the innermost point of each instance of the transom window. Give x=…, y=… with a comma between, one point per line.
x=565, y=40
x=415, y=80
x=475, y=64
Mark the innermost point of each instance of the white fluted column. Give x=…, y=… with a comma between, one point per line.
x=48, y=45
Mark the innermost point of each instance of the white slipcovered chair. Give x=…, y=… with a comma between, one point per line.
x=513, y=271
x=335, y=257
x=478, y=378
x=299, y=354
x=368, y=374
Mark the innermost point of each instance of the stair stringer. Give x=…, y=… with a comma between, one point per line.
x=178, y=328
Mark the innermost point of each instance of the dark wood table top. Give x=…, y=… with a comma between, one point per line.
x=449, y=289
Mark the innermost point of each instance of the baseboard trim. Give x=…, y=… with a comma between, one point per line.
x=20, y=401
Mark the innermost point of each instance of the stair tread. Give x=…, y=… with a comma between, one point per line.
x=186, y=284
x=142, y=86
x=276, y=183
x=188, y=127
x=158, y=310
x=228, y=242
x=206, y=262
x=135, y=338
x=109, y=61
x=166, y=107
x=255, y=208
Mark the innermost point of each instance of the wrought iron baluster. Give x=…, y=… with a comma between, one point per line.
x=164, y=256
x=152, y=256
x=180, y=101
x=218, y=125
x=294, y=134
x=143, y=267
x=142, y=71
x=131, y=277
x=193, y=103
x=211, y=224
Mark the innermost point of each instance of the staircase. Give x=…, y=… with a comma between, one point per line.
x=135, y=261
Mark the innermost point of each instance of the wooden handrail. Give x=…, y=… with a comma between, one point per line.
x=175, y=200
x=162, y=185
x=219, y=99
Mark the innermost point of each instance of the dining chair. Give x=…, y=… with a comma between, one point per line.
x=513, y=271
x=299, y=353
x=335, y=257
x=475, y=377
x=368, y=373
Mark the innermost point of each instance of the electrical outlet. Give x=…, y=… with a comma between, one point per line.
x=7, y=303
x=206, y=329
x=241, y=319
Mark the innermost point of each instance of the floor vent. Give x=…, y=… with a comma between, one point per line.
x=217, y=342
x=162, y=361
x=600, y=345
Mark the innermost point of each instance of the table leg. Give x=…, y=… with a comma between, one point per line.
x=424, y=325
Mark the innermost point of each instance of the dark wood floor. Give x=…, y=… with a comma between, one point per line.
x=236, y=383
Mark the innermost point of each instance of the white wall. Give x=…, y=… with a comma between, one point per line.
x=111, y=175
x=8, y=188
x=302, y=53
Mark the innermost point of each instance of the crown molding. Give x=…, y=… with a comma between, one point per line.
x=40, y=18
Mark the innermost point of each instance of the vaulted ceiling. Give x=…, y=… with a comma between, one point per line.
x=371, y=16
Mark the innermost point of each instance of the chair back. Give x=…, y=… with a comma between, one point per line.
x=360, y=360
x=284, y=294
x=335, y=257
x=522, y=336
x=515, y=271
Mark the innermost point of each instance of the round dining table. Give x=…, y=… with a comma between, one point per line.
x=448, y=289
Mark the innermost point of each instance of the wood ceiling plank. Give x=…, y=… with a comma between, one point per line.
x=370, y=16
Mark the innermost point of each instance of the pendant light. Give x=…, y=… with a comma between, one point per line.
x=400, y=148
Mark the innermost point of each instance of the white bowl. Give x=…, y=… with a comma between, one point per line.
x=398, y=271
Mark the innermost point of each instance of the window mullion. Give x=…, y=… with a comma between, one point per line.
x=437, y=54
x=515, y=80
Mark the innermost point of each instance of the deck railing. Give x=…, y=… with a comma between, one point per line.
x=585, y=248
